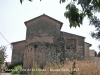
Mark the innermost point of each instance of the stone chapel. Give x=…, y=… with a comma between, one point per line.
x=45, y=43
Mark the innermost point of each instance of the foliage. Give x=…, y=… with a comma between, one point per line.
x=2, y=55
x=17, y=69
x=23, y=0
x=35, y=72
x=3, y=69
x=96, y=22
x=83, y=67
x=72, y=13
x=73, y=69
x=11, y=66
x=76, y=16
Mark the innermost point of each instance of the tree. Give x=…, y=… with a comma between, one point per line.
x=2, y=55
x=76, y=16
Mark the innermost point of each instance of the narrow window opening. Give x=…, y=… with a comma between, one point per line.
x=35, y=46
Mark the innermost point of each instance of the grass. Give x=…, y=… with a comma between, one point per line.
x=83, y=67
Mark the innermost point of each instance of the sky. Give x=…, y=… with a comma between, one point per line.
x=13, y=14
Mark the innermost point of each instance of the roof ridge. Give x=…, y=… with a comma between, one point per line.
x=47, y=17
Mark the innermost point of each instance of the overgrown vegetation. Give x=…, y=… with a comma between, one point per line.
x=11, y=66
x=2, y=55
x=73, y=69
x=16, y=70
x=77, y=67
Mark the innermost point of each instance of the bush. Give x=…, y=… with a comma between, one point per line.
x=11, y=66
x=17, y=70
x=3, y=69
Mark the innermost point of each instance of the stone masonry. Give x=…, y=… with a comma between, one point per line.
x=45, y=43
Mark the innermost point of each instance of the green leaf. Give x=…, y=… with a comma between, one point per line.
x=66, y=14
x=62, y=1
x=21, y=1
x=68, y=7
x=72, y=13
x=30, y=0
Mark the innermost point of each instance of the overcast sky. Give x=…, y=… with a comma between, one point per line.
x=13, y=15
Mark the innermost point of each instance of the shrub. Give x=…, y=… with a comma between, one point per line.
x=3, y=69
x=11, y=66
x=17, y=69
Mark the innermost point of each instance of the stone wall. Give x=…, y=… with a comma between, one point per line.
x=18, y=52
x=92, y=53
x=86, y=49
x=39, y=53
x=74, y=45
x=45, y=43
x=28, y=57
x=40, y=41
x=42, y=30
x=94, y=59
